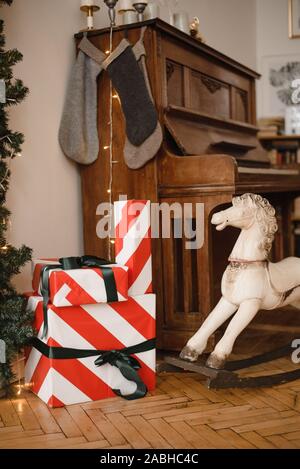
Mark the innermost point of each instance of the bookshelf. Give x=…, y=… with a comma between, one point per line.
x=280, y=137
x=283, y=150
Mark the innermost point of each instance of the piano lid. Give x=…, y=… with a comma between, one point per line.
x=199, y=134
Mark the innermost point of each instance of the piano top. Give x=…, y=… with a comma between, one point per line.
x=170, y=30
x=218, y=151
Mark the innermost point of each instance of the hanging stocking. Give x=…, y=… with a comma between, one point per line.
x=78, y=133
x=136, y=157
x=127, y=69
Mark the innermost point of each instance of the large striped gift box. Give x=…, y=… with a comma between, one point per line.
x=114, y=326
x=133, y=243
x=79, y=286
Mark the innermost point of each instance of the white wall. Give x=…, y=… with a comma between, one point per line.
x=272, y=35
x=227, y=25
x=45, y=187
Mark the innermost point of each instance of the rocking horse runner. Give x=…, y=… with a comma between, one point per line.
x=249, y=283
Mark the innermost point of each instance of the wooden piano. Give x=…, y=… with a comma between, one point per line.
x=206, y=105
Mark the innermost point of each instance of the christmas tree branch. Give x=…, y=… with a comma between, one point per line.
x=15, y=320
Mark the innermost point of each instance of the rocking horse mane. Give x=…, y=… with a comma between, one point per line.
x=264, y=215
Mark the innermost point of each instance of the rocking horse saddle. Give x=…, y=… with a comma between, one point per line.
x=284, y=275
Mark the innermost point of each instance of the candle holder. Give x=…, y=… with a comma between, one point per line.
x=140, y=8
x=111, y=4
x=89, y=10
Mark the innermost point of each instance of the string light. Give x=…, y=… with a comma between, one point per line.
x=112, y=95
x=8, y=228
x=110, y=186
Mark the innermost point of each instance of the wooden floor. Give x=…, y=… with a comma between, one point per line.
x=181, y=413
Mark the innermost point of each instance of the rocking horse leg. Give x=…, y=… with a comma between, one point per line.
x=246, y=312
x=197, y=344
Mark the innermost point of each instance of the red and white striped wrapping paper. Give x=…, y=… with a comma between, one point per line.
x=36, y=267
x=102, y=327
x=80, y=286
x=133, y=243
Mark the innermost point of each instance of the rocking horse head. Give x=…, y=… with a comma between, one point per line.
x=250, y=212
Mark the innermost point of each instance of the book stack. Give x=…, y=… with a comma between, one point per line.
x=284, y=153
x=270, y=126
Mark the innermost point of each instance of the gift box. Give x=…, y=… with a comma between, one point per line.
x=92, y=352
x=37, y=265
x=133, y=243
x=80, y=286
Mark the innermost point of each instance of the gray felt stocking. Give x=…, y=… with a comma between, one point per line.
x=78, y=133
x=127, y=69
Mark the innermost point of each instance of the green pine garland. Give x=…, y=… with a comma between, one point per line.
x=15, y=321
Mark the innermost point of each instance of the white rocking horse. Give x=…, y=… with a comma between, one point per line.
x=250, y=282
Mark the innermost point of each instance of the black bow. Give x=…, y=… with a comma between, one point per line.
x=70, y=263
x=128, y=366
x=122, y=359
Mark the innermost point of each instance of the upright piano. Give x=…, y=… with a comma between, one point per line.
x=207, y=107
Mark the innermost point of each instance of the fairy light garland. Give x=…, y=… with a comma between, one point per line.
x=5, y=178
x=8, y=228
x=112, y=16
x=6, y=174
x=111, y=150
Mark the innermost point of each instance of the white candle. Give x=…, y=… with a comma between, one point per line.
x=124, y=5
x=90, y=22
x=88, y=3
x=152, y=11
x=129, y=17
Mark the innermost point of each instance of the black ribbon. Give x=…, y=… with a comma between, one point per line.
x=70, y=263
x=122, y=359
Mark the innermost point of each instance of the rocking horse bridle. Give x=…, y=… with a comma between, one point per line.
x=244, y=262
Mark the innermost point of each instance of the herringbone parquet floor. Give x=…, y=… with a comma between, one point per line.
x=181, y=413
